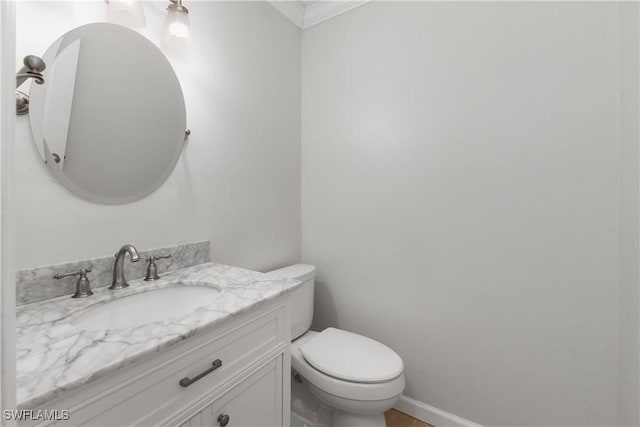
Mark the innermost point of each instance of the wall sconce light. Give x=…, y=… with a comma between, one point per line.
x=176, y=27
x=126, y=12
x=32, y=69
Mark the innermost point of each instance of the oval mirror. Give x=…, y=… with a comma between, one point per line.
x=109, y=120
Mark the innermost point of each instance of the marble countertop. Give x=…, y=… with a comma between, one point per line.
x=53, y=356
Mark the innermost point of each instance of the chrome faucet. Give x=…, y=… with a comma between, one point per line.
x=119, y=280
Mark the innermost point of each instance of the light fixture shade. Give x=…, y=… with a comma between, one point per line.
x=176, y=27
x=126, y=12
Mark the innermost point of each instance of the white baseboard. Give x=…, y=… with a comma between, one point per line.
x=434, y=416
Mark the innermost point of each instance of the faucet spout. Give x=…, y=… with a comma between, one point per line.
x=119, y=280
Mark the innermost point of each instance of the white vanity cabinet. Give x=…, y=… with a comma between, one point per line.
x=250, y=387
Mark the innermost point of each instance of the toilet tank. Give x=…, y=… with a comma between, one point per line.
x=301, y=298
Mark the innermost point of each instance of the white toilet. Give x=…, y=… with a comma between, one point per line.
x=340, y=378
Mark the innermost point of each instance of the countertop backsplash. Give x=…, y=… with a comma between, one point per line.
x=38, y=284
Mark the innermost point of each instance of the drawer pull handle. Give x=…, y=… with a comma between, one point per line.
x=186, y=381
x=223, y=420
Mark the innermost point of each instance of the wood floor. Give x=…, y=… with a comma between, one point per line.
x=398, y=419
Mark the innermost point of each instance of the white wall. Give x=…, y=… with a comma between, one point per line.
x=460, y=199
x=7, y=234
x=237, y=183
x=628, y=375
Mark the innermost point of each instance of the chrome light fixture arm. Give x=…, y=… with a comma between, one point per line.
x=32, y=69
x=177, y=5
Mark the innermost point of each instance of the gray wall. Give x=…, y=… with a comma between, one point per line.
x=628, y=381
x=237, y=183
x=460, y=182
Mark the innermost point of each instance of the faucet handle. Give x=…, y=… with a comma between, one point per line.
x=152, y=268
x=83, y=285
x=81, y=272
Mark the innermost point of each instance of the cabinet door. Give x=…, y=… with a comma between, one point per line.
x=254, y=402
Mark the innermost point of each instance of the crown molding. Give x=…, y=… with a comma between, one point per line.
x=293, y=10
x=324, y=10
x=305, y=17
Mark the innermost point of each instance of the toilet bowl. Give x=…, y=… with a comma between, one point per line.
x=366, y=401
x=355, y=377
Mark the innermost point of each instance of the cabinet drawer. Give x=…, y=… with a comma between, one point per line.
x=146, y=398
x=254, y=402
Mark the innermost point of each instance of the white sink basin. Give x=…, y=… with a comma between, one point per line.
x=146, y=307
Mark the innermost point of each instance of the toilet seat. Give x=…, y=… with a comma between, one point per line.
x=351, y=357
x=369, y=391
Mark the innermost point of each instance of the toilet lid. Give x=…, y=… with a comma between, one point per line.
x=351, y=357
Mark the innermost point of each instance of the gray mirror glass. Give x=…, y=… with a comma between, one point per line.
x=109, y=120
